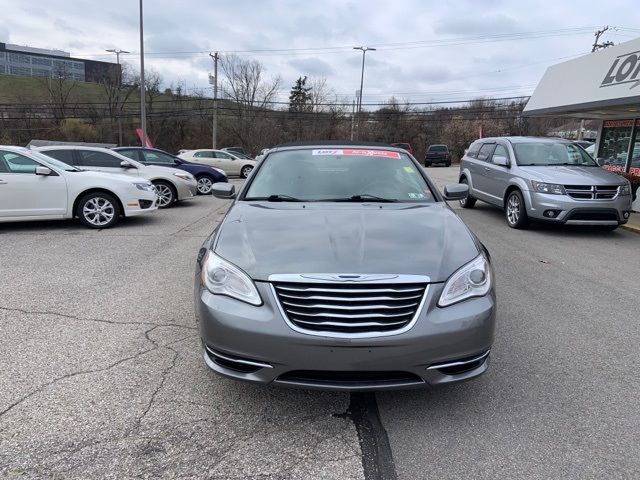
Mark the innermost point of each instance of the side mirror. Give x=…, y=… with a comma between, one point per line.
x=223, y=190
x=125, y=164
x=44, y=171
x=600, y=161
x=500, y=160
x=456, y=191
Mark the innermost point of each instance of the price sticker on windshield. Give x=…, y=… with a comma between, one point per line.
x=358, y=153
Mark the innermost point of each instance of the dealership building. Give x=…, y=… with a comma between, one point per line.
x=604, y=85
x=39, y=62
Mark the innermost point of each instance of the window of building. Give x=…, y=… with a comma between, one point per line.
x=614, y=143
x=19, y=58
x=23, y=71
x=41, y=61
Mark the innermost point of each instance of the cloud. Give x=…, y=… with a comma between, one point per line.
x=311, y=66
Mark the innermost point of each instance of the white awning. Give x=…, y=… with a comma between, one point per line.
x=604, y=84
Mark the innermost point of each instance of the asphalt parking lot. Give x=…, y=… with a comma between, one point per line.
x=102, y=375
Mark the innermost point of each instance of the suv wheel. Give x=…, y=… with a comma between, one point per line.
x=166, y=194
x=98, y=210
x=515, y=210
x=468, y=201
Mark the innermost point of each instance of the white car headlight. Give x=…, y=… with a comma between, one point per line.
x=184, y=175
x=148, y=187
x=223, y=278
x=471, y=280
x=553, y=188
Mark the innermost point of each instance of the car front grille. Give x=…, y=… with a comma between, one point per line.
x=592, y=192
x=350, y=308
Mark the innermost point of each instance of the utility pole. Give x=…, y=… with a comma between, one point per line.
x=215, y=58
x=364, y=53
x=598, y=46
x=118, y=51
x=353, y=114
x=143, y=94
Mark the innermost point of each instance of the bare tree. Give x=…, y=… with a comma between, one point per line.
x=60, y=86
x=250, y=95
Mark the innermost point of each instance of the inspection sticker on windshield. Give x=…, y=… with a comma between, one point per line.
x=359, y=153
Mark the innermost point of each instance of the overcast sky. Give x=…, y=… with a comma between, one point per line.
x=427, y=50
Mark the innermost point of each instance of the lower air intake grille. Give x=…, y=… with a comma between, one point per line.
x=350, y=308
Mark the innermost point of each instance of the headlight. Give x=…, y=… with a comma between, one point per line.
x=223, y=278
x=184, y=176
x=472, y=280
x=148, y=187
x=548, y=188
x=625, y=189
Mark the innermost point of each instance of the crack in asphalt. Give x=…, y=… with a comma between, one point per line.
x=96, y=370
x=377, y=457
x=98, y=320
x=215, y=210
x=152, y=399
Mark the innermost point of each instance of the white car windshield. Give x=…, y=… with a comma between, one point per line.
x=339, y=175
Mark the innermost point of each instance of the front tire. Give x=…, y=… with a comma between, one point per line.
x=468, y=201
x=515, y=210
x=205, y=184
x=98, y=210
x=166, y=193
x=246, y=170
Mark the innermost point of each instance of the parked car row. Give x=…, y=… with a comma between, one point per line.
x=232, y=163
x=96, y=185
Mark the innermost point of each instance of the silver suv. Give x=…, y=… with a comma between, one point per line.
x=543, y=179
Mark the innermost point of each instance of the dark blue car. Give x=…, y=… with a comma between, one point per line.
x=205, y=174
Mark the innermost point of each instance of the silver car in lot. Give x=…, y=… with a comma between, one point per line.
x=171, y=184
x=342, y=267
x=544, y=179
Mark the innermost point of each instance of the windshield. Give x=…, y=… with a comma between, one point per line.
x=339, y=175
x=54, y=162
x=438, y=148
x=551, y=153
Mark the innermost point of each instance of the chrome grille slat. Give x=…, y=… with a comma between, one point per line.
x=592, y=192
x=351, y=324
x=352, y=290
x=350, y=299
x=349, y=315
x=350, y=308
x=355, y=307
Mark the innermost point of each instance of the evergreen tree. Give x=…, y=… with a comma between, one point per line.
x=300, y=98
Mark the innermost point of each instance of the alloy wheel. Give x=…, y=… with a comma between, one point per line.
x=165, y=195
x=246, y=171
x=204, y=185
x=98, y=211
x=513, y=209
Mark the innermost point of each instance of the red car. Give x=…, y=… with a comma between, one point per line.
x=406, y=146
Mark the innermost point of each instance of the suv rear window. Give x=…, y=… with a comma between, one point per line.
x=473, y=150
x=485, y=151
x=438, y=148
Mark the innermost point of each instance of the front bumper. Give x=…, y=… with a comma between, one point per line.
x=445, y=345
x=570, y=211
x=140, y=203
x=186, y=189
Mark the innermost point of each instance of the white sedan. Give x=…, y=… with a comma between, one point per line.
x=36, y=187
x=172, y=184
x=226, y=161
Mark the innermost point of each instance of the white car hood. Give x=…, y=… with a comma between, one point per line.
x=92, y=174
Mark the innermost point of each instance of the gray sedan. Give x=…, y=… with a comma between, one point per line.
x=342, y=267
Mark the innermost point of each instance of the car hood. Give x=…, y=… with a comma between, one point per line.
x=294, y=238
x=92, y=174
x=567, y=175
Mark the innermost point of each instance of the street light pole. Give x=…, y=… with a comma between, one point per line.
x=118, y=51
x=143, y=96
x=214, y=139
x=364, y=53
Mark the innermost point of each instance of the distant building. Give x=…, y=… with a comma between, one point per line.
x=40, y=62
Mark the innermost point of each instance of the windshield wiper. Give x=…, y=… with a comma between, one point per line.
x=363, y=198
x=276, y=198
